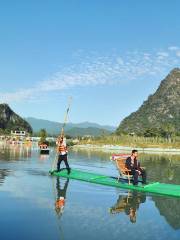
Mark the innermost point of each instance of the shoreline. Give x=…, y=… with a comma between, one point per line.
x=117, y=148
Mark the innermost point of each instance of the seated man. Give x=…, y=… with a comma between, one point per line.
x=133, y=164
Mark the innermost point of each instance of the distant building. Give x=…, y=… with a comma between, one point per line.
x=51, y=139
x=88, y=136
x=17, y=133
x=75, y=141
x=35, y=139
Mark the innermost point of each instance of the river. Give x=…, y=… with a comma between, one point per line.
x=29, y=199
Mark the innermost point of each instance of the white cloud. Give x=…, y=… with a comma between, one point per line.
x=93, y=70
x=19, y=95
x=162, y=55
x=120, y=61
x=173, y=48
x=178, y=53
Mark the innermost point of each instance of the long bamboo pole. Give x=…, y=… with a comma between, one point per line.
x=62, y=132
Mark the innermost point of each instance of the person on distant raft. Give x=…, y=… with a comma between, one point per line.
x=62, y=151
x=133, y=164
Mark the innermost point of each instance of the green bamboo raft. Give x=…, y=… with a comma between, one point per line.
x=156, y=187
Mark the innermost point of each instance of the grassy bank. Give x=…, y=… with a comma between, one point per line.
x=135, y=141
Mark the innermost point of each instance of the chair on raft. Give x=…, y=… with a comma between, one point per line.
x=124, y=172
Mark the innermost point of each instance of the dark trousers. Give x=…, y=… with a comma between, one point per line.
x=136, y=175
x=60, y=159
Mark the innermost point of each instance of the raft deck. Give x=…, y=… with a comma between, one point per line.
x=156, y=187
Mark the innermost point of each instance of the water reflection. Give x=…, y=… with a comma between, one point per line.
x=90, y=154
x=129, y=204
x=15, y=152
x=61, y=189
x=27, y=192
x=164, y=169
x=170, y=209
x=161, y=168
x=3, y=174
x=43, y=157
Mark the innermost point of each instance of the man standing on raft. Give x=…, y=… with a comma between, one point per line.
x=133, y=164
x=62, y=151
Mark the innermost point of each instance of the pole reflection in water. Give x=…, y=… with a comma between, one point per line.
x=129, y=204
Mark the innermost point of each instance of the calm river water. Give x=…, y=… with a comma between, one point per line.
x=29, y=208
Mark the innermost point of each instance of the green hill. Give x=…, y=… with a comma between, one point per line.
x=160, y=112
x=9, y=120
x=90, y=131
x=55, y=127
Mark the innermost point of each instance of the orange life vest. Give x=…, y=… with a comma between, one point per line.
x=62, y=148
x=60, y=203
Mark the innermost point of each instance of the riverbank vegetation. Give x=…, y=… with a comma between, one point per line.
x=134, y=141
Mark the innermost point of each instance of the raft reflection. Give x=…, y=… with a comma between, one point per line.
x=129, y=204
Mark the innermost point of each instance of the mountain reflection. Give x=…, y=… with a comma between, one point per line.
x=164, y=169
x=3, y=174
x=170, y=209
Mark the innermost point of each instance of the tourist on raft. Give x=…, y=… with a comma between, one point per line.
x=133, y=164
x=62, y=151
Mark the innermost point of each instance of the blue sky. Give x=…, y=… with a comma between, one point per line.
x=108, y=55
